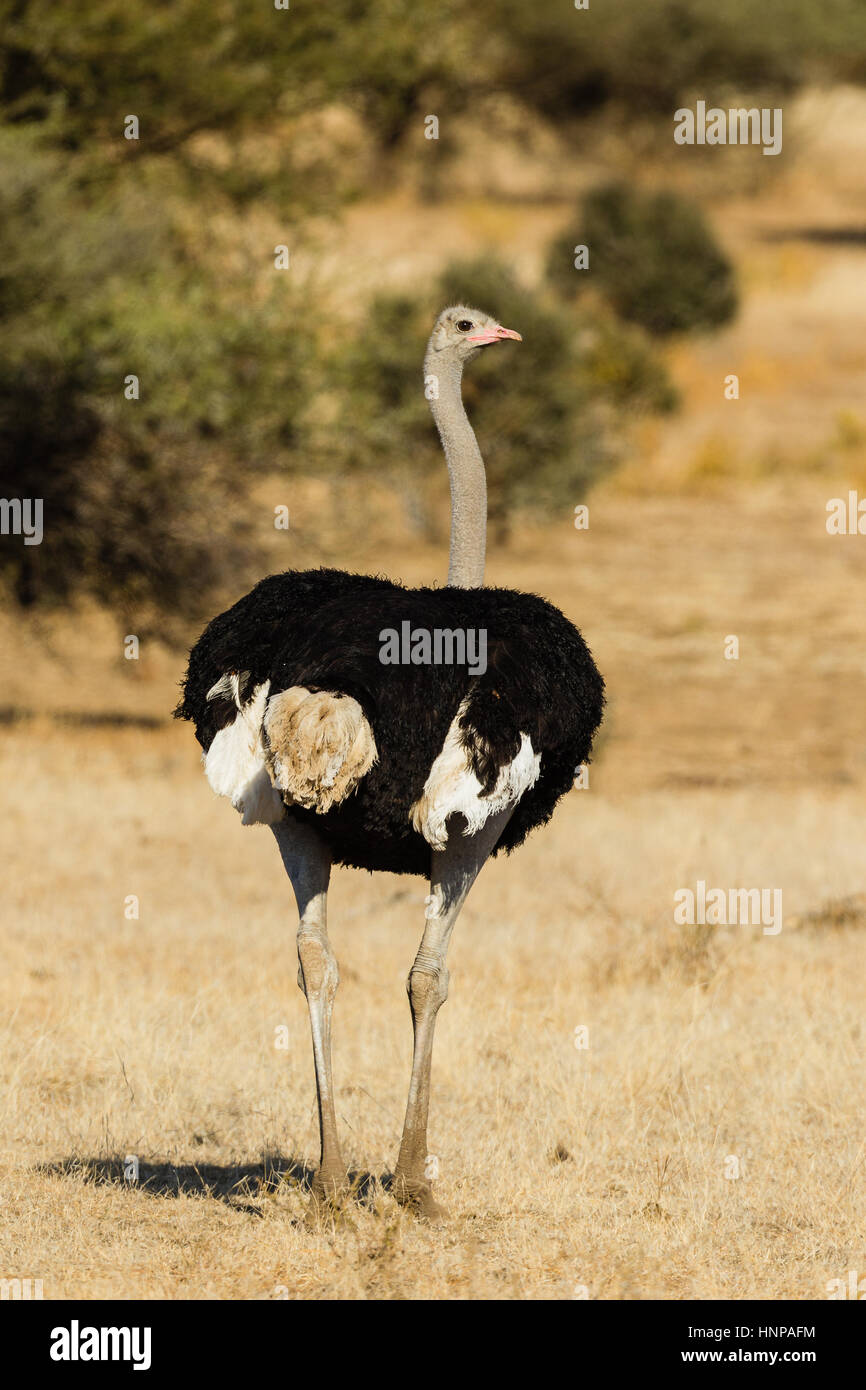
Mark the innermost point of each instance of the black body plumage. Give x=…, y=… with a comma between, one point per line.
x=321, y=629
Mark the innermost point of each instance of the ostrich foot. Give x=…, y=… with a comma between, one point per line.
x=417, y=1196
x=329, y=1194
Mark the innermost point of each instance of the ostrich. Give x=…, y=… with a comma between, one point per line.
x=414, y=766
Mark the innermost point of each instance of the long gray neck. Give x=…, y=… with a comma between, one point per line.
x=465, y=472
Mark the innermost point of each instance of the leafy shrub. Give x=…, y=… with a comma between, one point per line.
x=647, y=59
x=140, y=498
x=654, y=258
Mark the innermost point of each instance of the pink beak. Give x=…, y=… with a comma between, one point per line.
x=494, y=335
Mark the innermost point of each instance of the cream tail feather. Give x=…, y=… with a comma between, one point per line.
x=306, y=748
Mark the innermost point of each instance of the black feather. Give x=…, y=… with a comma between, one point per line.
x=321, y=629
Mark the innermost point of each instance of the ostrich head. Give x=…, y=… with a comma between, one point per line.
x=460, y=333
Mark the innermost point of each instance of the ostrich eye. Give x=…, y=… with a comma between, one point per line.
x=464, y=325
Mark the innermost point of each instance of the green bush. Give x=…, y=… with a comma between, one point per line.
x=108, y=262
x=108, y=267
x=654, y=258
x=647, y=59
x=141, y=501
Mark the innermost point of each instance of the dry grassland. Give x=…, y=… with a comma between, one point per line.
x=565, y=1169
x=603, y=1170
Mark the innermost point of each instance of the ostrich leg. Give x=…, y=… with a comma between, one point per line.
x=308, y=865
x=453, y=872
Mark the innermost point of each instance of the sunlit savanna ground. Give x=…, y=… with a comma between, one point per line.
x=600, y=1169
x=156, y=1037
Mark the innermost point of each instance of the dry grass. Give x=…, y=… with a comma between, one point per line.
x=601, y=1168
x=566, y=1170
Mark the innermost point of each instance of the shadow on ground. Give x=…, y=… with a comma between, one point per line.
x=239, y=1185
x=84, y=719
x=828, y=236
